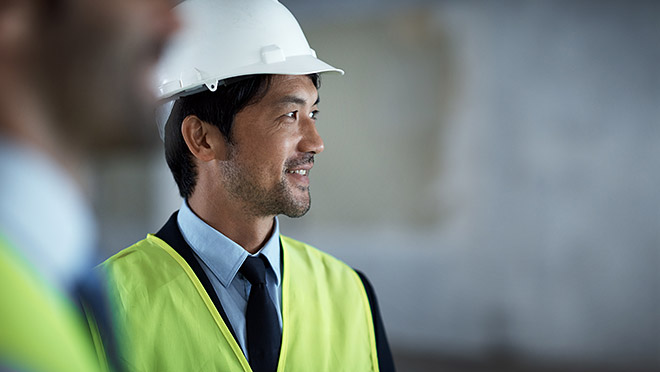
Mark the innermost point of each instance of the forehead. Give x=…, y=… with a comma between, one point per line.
x=287, y=89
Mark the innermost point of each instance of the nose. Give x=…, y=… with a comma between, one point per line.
x=311, y=141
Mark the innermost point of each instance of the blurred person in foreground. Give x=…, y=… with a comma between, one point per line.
x=218, y=288
x=74, y=76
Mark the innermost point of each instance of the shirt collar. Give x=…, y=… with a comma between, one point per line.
x=222, y=255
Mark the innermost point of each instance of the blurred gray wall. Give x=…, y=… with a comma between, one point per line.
x=494, y=168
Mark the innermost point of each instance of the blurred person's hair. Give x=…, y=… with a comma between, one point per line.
x=217, y=108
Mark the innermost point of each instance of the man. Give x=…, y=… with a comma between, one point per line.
x=218, y=288
x=72, y=75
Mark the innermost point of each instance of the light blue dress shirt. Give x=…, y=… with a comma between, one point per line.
x=221, y=259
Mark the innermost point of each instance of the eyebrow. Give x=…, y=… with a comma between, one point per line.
x=297, y=100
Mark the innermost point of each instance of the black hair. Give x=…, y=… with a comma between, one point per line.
x=218, y=108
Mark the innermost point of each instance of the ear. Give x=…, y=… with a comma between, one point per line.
x=204, y=140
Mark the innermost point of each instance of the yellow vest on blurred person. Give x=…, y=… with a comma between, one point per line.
x=40, y=331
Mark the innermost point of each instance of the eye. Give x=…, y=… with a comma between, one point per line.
x=314, y=114
x=292, y=114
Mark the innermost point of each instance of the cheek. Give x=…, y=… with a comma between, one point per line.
x=285, y=149
x=268, y=152
x=265, y=158
x=279, y=146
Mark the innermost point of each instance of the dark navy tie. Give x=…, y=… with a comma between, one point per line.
x=263, y=328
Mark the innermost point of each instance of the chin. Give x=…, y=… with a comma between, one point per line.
x=297, y=214
x=297, y=208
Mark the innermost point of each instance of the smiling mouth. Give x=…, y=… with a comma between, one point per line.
x=302, y=172
x=300, y=167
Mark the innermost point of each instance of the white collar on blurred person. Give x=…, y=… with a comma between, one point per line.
x=44, y=214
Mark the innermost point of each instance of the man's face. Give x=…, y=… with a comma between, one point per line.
x=274, y=143
x=97, y=58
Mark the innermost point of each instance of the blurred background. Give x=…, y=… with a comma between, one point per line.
x=494, y=168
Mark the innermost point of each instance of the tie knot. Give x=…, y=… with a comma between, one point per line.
x=254, y=270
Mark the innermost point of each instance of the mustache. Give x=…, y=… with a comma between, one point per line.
x=305, y=159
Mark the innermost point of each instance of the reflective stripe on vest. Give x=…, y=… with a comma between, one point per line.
x=39, y=328
x=169, y=323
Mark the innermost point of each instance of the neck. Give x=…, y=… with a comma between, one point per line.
x=250, y=232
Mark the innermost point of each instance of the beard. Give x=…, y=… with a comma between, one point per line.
x=260, y=201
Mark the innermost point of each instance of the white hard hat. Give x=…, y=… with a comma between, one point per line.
x=222, y=39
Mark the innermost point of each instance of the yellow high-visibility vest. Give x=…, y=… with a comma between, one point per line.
x=39, y=329
x=168, y=322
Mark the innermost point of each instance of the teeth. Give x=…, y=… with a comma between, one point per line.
x=299, y=171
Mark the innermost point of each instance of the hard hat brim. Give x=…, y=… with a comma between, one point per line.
x=294, y=65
